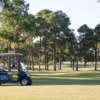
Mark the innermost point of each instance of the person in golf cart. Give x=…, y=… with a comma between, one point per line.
x=2, y=69
x=22, y=76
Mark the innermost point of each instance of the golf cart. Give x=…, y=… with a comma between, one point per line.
x=7, y=76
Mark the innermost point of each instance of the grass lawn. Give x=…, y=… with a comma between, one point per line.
x=60, y=85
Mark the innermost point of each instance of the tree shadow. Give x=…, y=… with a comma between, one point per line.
x=54, y=81
x=41, y=79
x=80, y=75
x=68, y=79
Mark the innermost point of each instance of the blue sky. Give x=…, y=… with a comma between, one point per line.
x=80, y=11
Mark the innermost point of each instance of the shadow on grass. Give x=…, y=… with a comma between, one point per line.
x=52, y=81
x=79, y=75
x=68, y=79
x=39, y=79
x=68, y=74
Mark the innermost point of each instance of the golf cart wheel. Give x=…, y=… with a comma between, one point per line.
x=25, y=81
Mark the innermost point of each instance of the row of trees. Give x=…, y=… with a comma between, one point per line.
x=45, y=38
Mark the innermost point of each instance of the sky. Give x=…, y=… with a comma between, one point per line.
x=80, y=11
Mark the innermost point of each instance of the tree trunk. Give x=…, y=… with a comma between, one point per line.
x=40, y=56
x=47, y=62
x=14, y=62
x=32, y=62
x=45, y=47
x=59, y=65
x=73, y=65
x=45, y=50
x=77, y=66
x=29, y=62
x=54, y=53
x=30, y=65
x=85, y=63
x=96, y=57
x=18, y=63
x=9, y=64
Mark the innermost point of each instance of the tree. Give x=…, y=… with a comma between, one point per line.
x=40, y=27
x=72, y=45
x=59, y=22
x=87, y=40
x=61, y=47
x=96, y=41
x=44, y=14
x=13, y=21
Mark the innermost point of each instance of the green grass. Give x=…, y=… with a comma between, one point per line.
x=59, y=85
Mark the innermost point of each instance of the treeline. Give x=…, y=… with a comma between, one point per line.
x=45, y=38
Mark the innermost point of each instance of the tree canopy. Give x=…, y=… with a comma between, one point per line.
x=55, y=41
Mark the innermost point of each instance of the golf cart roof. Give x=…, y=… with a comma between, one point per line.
x=11, y=54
